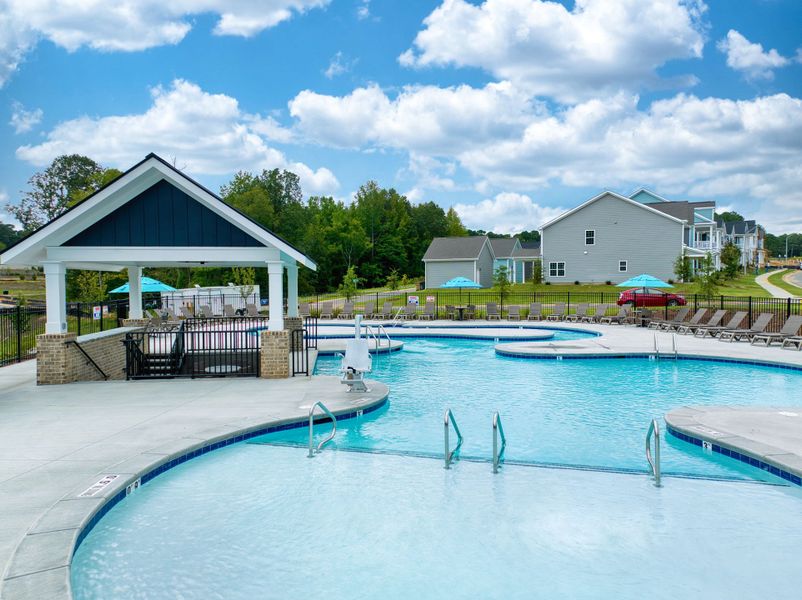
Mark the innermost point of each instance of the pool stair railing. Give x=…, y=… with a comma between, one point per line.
x=498, y=432
x=674, y=350
x=316, y=450
x=451, y=455
x=378, y=334
x=654, y=461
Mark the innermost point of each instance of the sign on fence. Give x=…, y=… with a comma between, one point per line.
x=96, y=313
x=431, y=299
x=413, y=300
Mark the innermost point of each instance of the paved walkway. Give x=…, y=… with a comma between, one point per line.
x=777, y=292
x=794, y=277
x=771, y=435
x=57, y=441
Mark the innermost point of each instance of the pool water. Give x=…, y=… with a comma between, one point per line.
x=591, y=413
x=251, y=521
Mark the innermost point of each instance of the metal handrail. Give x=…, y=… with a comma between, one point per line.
x=451, y=455
x=498, y=430
x=656, y=348
x=377, y=332
x=312, y=449
x=674, y=345
x=90, y=359
x=654, y=465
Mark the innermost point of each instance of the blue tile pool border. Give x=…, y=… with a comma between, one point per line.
x=205, y=449
x=738, y=455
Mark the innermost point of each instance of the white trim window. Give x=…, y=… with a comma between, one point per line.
x=590, y=237
x=557, y=269
x=622, y=266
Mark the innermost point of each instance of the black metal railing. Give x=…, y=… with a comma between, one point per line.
x=299, y=353
x=184, y=351
x=310, y=327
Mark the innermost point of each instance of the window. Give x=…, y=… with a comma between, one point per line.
x=556, y=269
x=590, y=237
x=622, y=266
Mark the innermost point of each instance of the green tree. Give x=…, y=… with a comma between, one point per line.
x=67, y=180
x=731, y=259
x=707, y=278
x=245, y=278
x=729, y=216
x=393, y=280
x=8, y=235
x=537, y=272
x=90, y=286
x=501, y=281
x=682, y=268
x=350, y=284
x=454, y=226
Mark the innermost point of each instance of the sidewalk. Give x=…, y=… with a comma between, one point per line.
x=776, y=292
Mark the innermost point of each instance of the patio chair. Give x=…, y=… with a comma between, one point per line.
x=695, y=319
x=714, y=321
x=387, y=310
x=759, y=326
x=734, y=323
x=206, y=312
x=514, y=313
x=171, y=316
x=535, y=311
x=789, y=330
x=793, y=341
x=557, y=313
x=428, y=311
x=229, y=311
x=370, y=310
x=347, y=312
x=252, y=310
x=303, y=309
x=410, y=312
x=624, y=315
x=581, y=311
x=470, y=311
x=326, y=310
x=492, y=311
x=599, y=311
x=451, y=312
x=186, y=313
x=678, y=318
x=355, y=363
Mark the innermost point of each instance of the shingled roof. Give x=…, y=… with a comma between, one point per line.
x=503, y=247
x=455, y=248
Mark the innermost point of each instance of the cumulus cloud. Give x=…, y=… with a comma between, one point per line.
x=363, y=9
x=208, y=133
x=749, y=57
x=597, y=47
x=507, y=212
x=338, y=65
x=24, y=120
x=424, y=118
x=128, y=25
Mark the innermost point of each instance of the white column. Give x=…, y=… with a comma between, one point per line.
x=275, y=271
x=292, y=290
x=56, y=291
x=134, y=292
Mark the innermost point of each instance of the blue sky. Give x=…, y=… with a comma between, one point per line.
x=509, y=110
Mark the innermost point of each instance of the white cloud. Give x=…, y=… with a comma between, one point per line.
x=508, y=212
x=599, y=47
x=749, y=57
x=423, y=118
x=363, y=10
x=24, y=120
x=128, y=25
x=338, y=65
x=206, y=132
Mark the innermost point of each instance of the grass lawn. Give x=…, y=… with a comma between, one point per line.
x=23, y=288
x=777, y=279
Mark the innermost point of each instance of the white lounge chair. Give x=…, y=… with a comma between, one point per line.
x=356, y=362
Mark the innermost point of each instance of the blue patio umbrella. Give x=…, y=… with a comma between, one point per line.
x=460, y=282
x=148, y=285
x=645, y=281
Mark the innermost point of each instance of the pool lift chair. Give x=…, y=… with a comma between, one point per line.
x=356, y=362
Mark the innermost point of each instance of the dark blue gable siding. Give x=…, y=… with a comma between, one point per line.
x=163, y=215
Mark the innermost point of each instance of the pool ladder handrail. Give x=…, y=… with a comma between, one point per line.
x=377, y=332
x=451, y=455
x=654, y=464
x=327, y=412
x=498, y=430
x=656, y=348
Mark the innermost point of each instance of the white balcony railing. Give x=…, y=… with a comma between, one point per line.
x=705, y=245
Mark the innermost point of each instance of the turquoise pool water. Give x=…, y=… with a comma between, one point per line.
x=572, y=412
x=252, y=521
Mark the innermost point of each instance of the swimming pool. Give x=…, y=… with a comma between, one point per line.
x=589, y=413
x=384, y=519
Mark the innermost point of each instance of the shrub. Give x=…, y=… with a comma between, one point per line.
x=576, y=283
x=608, y=282
x=548, y=283
x=670, y=282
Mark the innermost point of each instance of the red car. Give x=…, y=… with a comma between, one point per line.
x=649, y=297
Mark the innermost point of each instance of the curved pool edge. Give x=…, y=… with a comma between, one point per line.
x=40, y=566
x=734, y=432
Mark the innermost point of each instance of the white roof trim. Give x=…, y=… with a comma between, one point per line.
x=616, y=196
x=650, y=192
x=144, y=175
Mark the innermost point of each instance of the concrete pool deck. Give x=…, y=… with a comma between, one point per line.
x=57, y=441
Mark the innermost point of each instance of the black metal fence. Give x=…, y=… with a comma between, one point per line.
x=20, y=325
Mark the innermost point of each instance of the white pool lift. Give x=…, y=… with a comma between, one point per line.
x=357, y=361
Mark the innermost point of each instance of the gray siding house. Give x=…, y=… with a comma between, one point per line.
x=470, y=257
x=610, y=238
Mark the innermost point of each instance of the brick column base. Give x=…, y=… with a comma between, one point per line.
x=53, y=361
x=292, y=323
x=274, y=356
